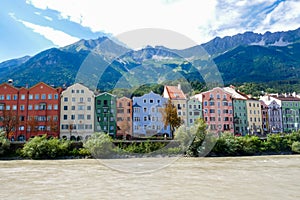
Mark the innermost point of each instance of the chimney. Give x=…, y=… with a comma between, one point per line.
x=179, y=86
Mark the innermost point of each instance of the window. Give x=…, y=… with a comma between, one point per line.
x=88, y=117
x=22, y=107
x=56, y=96
x=105, y=102
x=151, y=101
x=72, y=107
x=81, y=99
x=65, y=107
x=29, y=107
x=205, y=103
x=80, y=107
x=72, y=91
x=80, y=116
x=8, y=97
x=82, y=91
x=65, y=99
x=43, y=96
x=37, y=97
x=30, y=97
x=73, y=99
x=15, y=97
x=89, y=99
x=212, y=111
x=158, y=101
x=65, y=117
x=89, y=107
x=72, y=117
x=23, y=97
x=49, y=107
x=145, y=109
x=49, y=96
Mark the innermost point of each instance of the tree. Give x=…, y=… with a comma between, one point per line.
x=125, y=128
x=32, y=124
x=10, y=121
x=170, y=117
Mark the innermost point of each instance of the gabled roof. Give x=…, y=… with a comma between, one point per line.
x=174, y=92
x=235, y=94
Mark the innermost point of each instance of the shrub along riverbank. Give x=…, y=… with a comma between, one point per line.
x=101, y=146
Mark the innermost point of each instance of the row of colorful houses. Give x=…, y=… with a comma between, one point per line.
x=76, y=112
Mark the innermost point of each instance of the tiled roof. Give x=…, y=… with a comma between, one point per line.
x=175, y=93
x=235, y=94
x=288, y=98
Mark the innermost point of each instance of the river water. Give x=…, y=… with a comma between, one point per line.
x=261, y=177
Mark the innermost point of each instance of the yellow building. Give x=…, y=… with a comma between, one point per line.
x=254, y=116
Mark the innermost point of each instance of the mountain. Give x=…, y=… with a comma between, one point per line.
x=221, y=45
x=104, y=64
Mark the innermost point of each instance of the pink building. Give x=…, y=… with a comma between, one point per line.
x=218, y=110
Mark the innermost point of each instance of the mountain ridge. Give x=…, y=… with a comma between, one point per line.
x=242, y=57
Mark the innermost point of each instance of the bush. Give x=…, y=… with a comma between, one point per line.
x=99, y=145
x=43, y=148
x=296, y=147
x=4, y=144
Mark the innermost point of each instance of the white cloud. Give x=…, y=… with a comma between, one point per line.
x=200, y=20
x=58, y=38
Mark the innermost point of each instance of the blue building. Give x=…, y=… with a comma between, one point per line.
x=147, y=116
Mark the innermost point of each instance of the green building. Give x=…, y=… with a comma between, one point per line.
x=290, y=107
x=240, y=116
x=105, y=113
x=239, y=110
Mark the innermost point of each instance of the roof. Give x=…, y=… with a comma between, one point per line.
x=235, y=94
x=174, y=92
x=288, y=98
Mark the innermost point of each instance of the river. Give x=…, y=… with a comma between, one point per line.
x=257, y=177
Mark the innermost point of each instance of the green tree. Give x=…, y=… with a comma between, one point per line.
x=170, y=117
x=100, y=145
x=4, y=143
x=41, y=148
x=199, y=132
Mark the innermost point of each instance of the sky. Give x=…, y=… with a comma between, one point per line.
x=30, y=26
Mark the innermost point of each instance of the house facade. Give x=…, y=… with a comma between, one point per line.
x=218, y=110
x=239, y=111
x=37, y=110
x=43, y=110
x=9, y=113
x=178, y=99
x=124, y=118
x=147, y=116
x=194, y=110
x=273, y=117
x=254, y=116
x=77, y=112
x=105, y=110
x=290, y=108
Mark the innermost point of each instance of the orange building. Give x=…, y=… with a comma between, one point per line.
x=27, y=112
x=124, y=117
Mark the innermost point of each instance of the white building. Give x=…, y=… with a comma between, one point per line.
x=77, y=112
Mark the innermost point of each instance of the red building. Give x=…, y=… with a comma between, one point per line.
x=26, y=113
x=218, y=110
